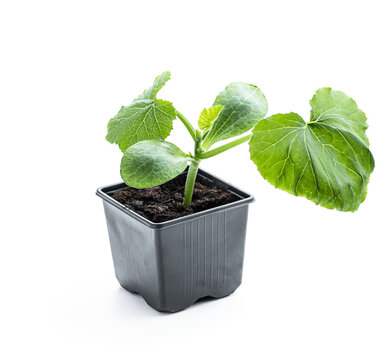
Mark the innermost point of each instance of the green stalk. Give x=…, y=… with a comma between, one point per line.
x=190, y=181
x=187, y=124
x=192, y=171
x=225, y=147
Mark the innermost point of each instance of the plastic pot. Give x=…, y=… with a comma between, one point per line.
x=174, y=263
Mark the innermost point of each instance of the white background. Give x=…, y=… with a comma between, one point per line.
x=317, y=283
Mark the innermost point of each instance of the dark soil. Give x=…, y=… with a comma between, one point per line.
x=164, y=202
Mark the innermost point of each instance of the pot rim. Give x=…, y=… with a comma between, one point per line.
x=245, y=198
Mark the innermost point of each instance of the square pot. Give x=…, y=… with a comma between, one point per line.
x=174, y=263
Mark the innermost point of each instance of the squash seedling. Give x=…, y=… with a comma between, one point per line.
x=327, y=159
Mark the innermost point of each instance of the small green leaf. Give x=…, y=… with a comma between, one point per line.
x=208, y=116
x=243, y=106
x=146, y=118
x=324, y=161
x=335, y=108
x=159, y=82
x=152, y=162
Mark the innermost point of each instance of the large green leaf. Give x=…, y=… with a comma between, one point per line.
x=243, y=106
x=146, y=118
x=151, y=163
x=323, y=161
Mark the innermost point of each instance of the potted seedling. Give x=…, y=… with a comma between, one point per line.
x=175, y=242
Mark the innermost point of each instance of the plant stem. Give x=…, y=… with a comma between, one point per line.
x=187, y=124
x=190, y=181
x=225, y=147
x=192, y=170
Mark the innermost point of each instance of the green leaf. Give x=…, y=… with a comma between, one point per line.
x=152, y=162
x=208, y=116
x=146, y=118
x=243, y=106
x=143, y=120
x=336, y=109
x=159, y=82
x=321, y=160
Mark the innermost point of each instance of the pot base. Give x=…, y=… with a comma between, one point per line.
x=204, y=298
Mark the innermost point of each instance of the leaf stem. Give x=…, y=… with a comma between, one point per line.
x=224, y=147
x=190, y=181
x=187, y=124
x=198, y=141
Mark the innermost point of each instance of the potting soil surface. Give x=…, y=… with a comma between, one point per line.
x=165, y=202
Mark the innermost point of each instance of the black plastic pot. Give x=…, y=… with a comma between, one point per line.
x=174, y=263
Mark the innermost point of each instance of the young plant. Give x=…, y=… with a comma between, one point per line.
x=327, y=159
